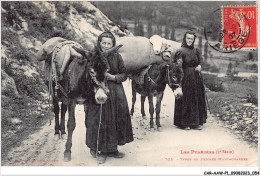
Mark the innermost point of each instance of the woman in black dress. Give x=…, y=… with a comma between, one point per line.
x=115, y=127
x=190, y=110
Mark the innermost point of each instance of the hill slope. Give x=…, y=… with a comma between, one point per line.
x=25, y=27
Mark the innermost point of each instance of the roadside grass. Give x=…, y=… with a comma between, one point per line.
x=234, y=107
x=20, y=118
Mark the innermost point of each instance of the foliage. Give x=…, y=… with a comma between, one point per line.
x=252, y=98
x=200, y=43
x=213, y=83
x=139, y=28
x=206, y=51
x=24, y=108
x=150, y=29
x=167, y=31
x=173, y=38
x=81, y=9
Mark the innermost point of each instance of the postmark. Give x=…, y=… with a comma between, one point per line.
x=237, y=29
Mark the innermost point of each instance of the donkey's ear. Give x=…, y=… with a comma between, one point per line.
x=81, y=51
x=112, y=50
x=118, y=47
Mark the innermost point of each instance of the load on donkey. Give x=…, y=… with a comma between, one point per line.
x=153, y=65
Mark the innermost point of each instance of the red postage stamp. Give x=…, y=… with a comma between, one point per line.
x=239, y=25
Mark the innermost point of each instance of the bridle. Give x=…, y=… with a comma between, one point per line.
x=100, y=85
x=170, y=83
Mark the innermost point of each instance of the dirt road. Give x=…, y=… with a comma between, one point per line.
x=212, y=146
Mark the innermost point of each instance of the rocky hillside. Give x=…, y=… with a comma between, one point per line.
x=25, y=27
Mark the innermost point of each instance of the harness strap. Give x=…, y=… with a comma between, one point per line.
x=149, y=77
x=62, y=90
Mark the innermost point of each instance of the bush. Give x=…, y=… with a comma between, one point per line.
x=213, y=83
x=252, y=98
x=79, y=8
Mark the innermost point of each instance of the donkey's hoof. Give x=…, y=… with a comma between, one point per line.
x=56, y=136
x=144, y=117
x=152, y=129
x=67, y=156
x=63, y=136
x=159, y=128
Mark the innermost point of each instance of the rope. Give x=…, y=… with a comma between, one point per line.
x=50, y=92
x=98, y=130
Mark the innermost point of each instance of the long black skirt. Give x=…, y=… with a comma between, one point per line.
x=115, y=128
x=190, y=109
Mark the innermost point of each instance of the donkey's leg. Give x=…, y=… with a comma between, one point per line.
x=159, y=98
x=142, y=106
x=70, y=126
x=62, y=123
x=151, y=110
x=56, y=110
x=133, y=100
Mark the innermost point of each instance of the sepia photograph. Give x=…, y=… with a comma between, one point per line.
x=129, y=84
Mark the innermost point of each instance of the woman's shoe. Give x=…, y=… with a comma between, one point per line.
x=186, y=128
x=102, y=158
x=199, y=127
x=117, y=154
x=93, y=153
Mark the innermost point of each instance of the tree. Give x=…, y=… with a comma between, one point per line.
x=230, y=68
x=206, y=51
x=250, y=56
x=173, y=34
x=200, y=44
x=159, y=30
x=166, y=32
x=141, y=29
x=150, y=29
x=136, y=27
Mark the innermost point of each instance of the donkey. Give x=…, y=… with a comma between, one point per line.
x=83, y=75
x=155, y=82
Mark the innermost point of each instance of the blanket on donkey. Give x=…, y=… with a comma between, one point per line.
x=138, y=53
x=56, y=52
x=48, y=47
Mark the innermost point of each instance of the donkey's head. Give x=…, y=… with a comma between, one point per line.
x=87, y=74
x=97, y=68
x=174, y=77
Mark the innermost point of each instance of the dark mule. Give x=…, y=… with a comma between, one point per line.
x=155, y=82
x=83, y=75
x=77, y=84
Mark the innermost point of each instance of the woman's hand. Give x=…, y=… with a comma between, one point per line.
x=110, y=77
x=198, y=68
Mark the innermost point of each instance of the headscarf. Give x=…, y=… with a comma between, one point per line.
x=108, y=35
x=99, y=50
x=184, y=44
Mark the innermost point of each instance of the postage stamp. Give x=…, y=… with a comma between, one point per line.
x=239, y=27
x=234, y=28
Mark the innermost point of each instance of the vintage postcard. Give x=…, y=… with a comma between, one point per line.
x=130, y=84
